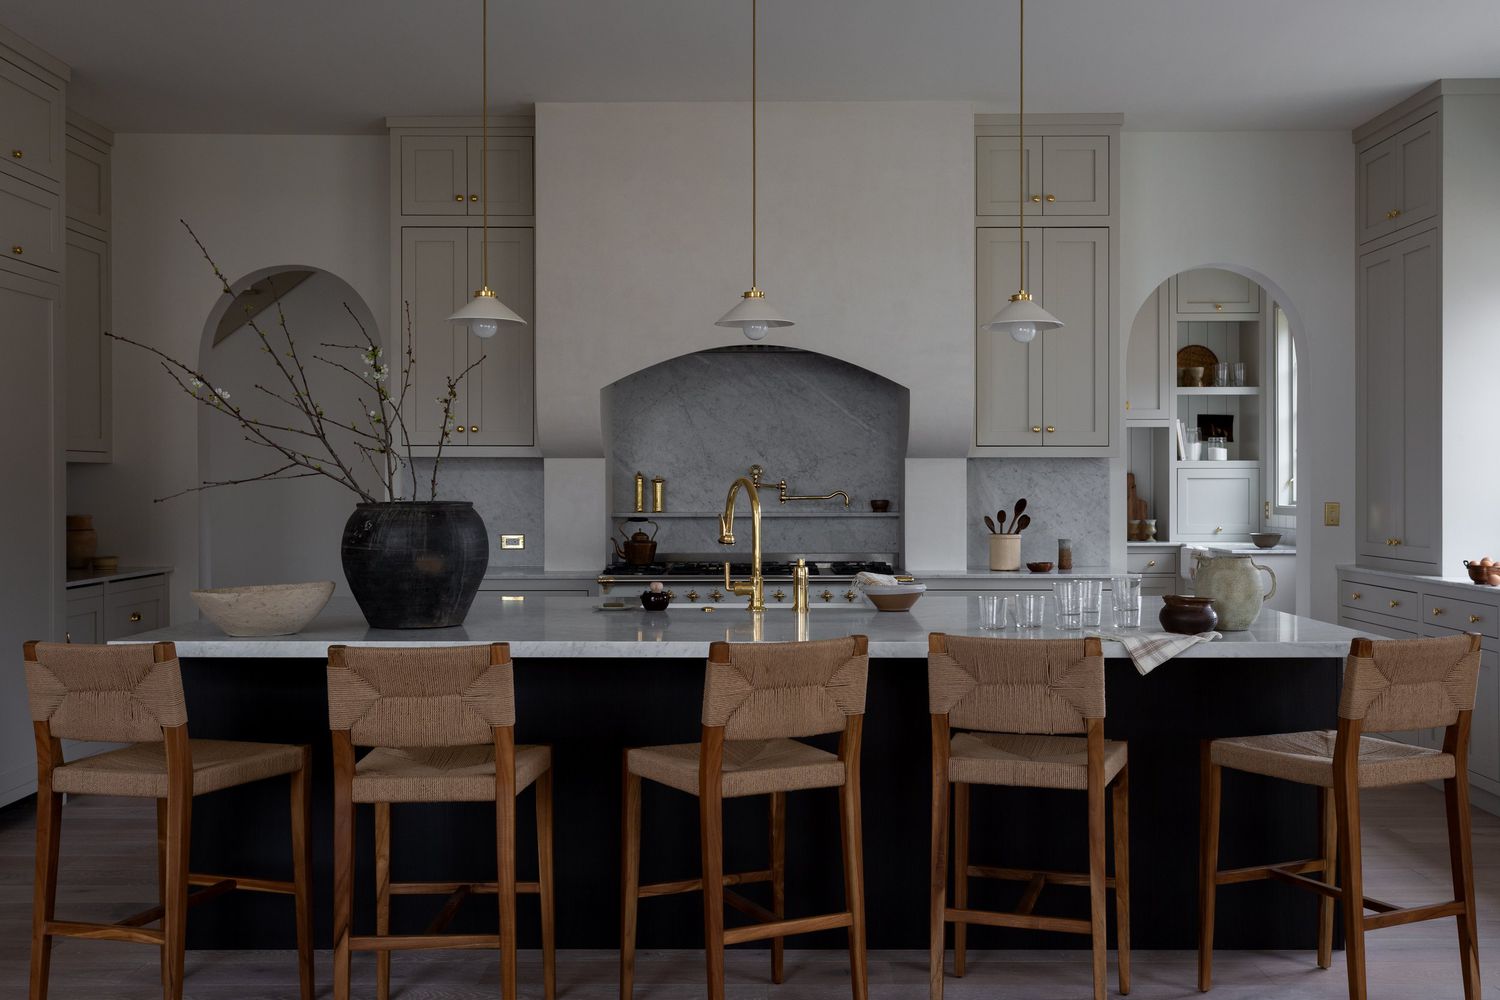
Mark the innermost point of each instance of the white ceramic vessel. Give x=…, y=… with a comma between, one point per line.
x=268, y=609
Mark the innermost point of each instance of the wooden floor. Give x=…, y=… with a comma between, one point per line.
x=108, y=848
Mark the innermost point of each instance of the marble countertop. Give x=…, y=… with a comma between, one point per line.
x=84, y=577
x=981, y=572
x=552, y=626
x=1397, y=577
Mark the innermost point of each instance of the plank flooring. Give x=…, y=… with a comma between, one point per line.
x=107, y=873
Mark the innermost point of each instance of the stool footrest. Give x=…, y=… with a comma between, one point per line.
x=448, y=888
x=1024, y=921
x=103, y=932
x=1291, y=877
x=155, y=913
x=696, y=884
x=1411, y=914
x=247, y=884
x=786, y=928
x=416, y=942
x=1028, y=875
x=1255, y=873
x=750, y=908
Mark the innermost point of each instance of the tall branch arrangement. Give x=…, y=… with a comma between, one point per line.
x=301, y=440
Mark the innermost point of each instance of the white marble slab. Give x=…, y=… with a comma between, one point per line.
x=549, y=626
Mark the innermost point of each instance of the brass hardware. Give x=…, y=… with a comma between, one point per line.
x=1395, y=604
x=755, y=587
x=850, y=595
x=459, y=428
x=710, y=609
x=1036, y=429
x=473, y=428
x=1266, y=510
x=827, y=596
x=458, y=197
x=1150, y=563
x=17, y=154
x=1218, y=307
x=18, y=249
x=756, y=472
x=1355, y=596
x=780, y=595
x=692, y=596
x=1395, y=213
x=1473, y=619
x=658, y=494
x=640, y=493
x=513, y=541
x=715, y=595
x=1331, y=511
x=606, y=583
x=1219, y=530
x=1051, y=198
x=1127, y=405
x=1036, y=198
x=671, y=595
x=799, y=587
x=1439, y=611
x=1051, y=429
x=135, y=616
x=473, y=197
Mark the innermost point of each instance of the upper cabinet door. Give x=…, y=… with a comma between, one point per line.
x=995, y=176
x=1399, y=180
x=435, y=282
x=1148, y=361
x=1075, y=358
x=510, y=187
x=1075, y=175
x=1209, y=291
x=31, y=126
x=501, y=405
x=1008, y=389
x=86, y=313
x=435, y=175
x=30, y=231
x=88, y=185
x=1217, y=504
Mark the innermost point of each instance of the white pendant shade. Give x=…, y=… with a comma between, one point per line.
x=1022, y=319
x=754, y=317
x=485, y=314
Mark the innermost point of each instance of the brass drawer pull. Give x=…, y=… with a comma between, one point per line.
x=18, y=249
x=17, y=153
x=1150, y=563
x=1356, y=596
x=1395, y=604
x=1036, y=428
x=135, y=616
x=1473, y=619
x=1439, y=611
x=459, y=428
x=1218, y=307
x=1051, y=429
x=458, y=197
x=473, y=428
x=1036, y=198
x=1051, y=198
x=473, y=197
x=1219, y=530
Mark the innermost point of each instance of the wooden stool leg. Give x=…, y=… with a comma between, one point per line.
x=960, y=875
x=1456, y=792
x=778, y=880
x=1098, y=898
x=711, y=835
x=1328, y=848
x=44, y=890
x=938, y=873
x=1346, y=802
x=630, y=878
x=301, y=808
x=1120, y=800
x=1210, y=782
x=854, y=881
x=343, y=860
x=174, y=919
x=545, y=885
x=505, y=862
x=382, y=896
x=161, y=873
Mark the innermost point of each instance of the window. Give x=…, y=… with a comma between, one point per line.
x=1283, y=468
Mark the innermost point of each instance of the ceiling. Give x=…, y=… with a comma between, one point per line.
x=342, y=65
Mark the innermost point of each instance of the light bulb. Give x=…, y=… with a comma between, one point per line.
x=1022, y=333
x=484, y=328
x=756, y=331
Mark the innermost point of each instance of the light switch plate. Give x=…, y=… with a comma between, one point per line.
x=1331, y=514
x=512, y=541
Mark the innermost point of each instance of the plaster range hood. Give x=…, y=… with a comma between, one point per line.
x=256, y=299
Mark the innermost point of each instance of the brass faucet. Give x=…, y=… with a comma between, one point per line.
x=755, y=475
x=755, y=587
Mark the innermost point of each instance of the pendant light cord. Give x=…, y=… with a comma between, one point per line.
x=484, y=146
x=1021, y=152
x=754, y=146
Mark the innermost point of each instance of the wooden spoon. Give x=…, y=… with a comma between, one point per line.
x=1020, y=509
x=1022, y=523
x=1000, y=516
x=989, y=522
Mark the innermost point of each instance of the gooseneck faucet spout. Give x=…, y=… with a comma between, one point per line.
x=755, y=587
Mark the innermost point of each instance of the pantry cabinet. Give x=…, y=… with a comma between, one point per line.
x=1148, y=362
x=1213, y=293
x=1065, y=175
x=440, y=175
x=1398, y=180
x=86, y=291
x=31, y=123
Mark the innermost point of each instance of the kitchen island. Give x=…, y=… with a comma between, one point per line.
x=592, y=682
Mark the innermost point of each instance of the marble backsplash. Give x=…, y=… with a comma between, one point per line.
x=1066, y=498
x=820, y=423
x=507, y=493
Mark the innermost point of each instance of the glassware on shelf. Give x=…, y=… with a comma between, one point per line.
x=1192, y=440
x=1216, y=449
x=1237, y=373
x=1221, y=373
x=993, y=611
x=1093, y=602
x=1031, y=609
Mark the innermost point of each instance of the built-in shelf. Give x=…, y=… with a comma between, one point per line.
x=1218, y=390
x=1235, y=463
x=618, y=515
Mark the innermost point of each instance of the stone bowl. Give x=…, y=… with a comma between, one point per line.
x=1265, y=539
x=268, y=609
x=897, y=597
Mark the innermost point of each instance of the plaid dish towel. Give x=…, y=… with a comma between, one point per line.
x=1149, y=650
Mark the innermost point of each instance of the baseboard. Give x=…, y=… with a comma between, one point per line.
x=1480, y=799
x=16, y=783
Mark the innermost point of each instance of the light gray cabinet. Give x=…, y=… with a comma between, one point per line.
x=31, y=226
x=995, y=165
x=88, y=193
x=440, y=175
x=31, y=125
x=1054, y=391
x=1065, y=175
x=85, y=614
x=88, y=354
x=1148, y=362
x=1216, y=503
x=1398, y=181
x=511, y=184
x=501, y=406
x=1211, y=292
x=1399, y=402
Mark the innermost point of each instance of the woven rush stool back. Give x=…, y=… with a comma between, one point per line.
x=1016, y=685
x=769, y=690
x=1407, y=684
x=111, y=694
x=444, y=696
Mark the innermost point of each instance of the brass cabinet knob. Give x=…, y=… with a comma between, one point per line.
x=459, y=429
x=473, y=197
x=1051, y=429
x=1036, y=198
x=17, y=153
x=1219, y=530
x=850, y=595
x=692, y=595
x=1473, y=619
x=1395, y=213
x=1355, y=596
x=473, y=428
x=780, y=595
x=1439, y=611
x=17, y=249
x=67, y=637
x=1150, y=563
x=671, y=595
x=827, y=595
x=135, y=616
x=1218, y=307
x=716, y=595
x=458, y=197
x=1051, y=198
x=1036, y=428
x=1395, y=604
x=1395, y=541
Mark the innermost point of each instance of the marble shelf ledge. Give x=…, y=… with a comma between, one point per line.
x=574, y=627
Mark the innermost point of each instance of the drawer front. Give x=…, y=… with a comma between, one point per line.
x=1379, y=600
x=85, y=614
x=1380, y=626
x=1466, y=616
x=29, y=227
x=1163, y=562
x=31, y=124
x=135, y=607
x=1217, y=505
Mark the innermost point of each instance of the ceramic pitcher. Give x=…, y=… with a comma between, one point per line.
x=1232, y=581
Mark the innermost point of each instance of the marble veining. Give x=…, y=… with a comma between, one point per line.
x=506, y=492
x=1066, y=498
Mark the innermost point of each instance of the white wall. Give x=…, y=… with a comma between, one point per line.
x=256, y=201
x=1278, y=206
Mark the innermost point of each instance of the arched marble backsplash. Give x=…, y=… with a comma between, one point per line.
x=700, y=420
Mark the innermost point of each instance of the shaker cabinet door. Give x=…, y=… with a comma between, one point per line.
x=1148, y=361
x=435, y=175
x=1075, y=357
x=995, y=167
x=86, y=297
x=1008, y=390
x=1212, y=291
x=31, y=126
x=1399, y=180
x=1075, y=175
x=434, y=283
x=510, y=170
x=1217, y=505
x=501, y=407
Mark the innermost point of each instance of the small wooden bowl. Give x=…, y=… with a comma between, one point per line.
x=894, y=602
x=1039, y=567
x=880, y=506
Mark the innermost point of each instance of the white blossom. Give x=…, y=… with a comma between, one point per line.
x=222, y=393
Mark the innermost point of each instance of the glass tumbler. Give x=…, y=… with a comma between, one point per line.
x=1093, y=602
x=1031, y=609
x=1069, y=594
x=992, y=611
x=1125, y=599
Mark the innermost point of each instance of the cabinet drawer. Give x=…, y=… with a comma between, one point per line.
x=29, y=227
x=1379, y=600
x=1211, y=291
x=31, y=124
x=134, y=607
x=1466, y=616
x=1380, y=626
x=1163, y=561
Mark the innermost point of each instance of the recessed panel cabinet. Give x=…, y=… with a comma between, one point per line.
x=31, y=126
x=1065, y=175
x=1398, y=180
x=1148, y=361
x=1217, y=504
x=87, y=317
x=440, y=175
x=1211, y=292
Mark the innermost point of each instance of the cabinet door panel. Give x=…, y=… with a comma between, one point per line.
x=1380, y=404
x=1217, y=504
x=1423, y=425
x=88, y=185
x=1420, y=172
x=1075, y=174
x=1148, y=361
x=30, y=232
x=1075, y=358
x=501, y=408
x=435, y=282
x=1484, y=738
x=995, y=176
x=88, y=355
x=1212, y=291
x=434, y=175
x=1379, y=189
x=510, y=168
x=1008, y=393
x=31, y=124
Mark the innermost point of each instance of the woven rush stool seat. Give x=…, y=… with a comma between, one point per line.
x=1390, y=686
x=441, y=774
x=1307, y=758
x=1029, y=760
x=133, y=694
x=760, y=700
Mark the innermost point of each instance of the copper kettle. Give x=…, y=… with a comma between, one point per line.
x=639, y=548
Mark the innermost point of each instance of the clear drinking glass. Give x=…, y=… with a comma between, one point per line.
x=992, y=611
x=1125, y=598
x=1031, y=609
x=1221, y=373
x=1238, y=375
x=1093, y=602
x=1069, y=594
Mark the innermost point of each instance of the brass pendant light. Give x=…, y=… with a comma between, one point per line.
x=1022, y=317
x=485, y=314
x=754, y=317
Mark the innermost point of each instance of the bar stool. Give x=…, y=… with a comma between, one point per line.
x=441, y=721
x=133, y=694
x=1389, y=686
x=1016, y=697
x=759, y=699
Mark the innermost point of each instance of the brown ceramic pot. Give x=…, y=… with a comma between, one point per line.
x=1188, y=615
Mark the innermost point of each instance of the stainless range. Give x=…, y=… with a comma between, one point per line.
x=700, y=580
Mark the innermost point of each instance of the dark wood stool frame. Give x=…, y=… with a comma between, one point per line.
x=769, y=923
x=1339, y=843
x=173, y=835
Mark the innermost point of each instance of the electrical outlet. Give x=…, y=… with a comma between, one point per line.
x=1331, y=514
x=512, y=541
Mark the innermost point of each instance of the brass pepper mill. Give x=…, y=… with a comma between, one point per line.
x=658, y=494
x=640, y=493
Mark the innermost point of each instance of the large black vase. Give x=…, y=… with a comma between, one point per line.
x=415, y=564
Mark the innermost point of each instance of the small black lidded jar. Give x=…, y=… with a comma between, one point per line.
x=655, y=597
